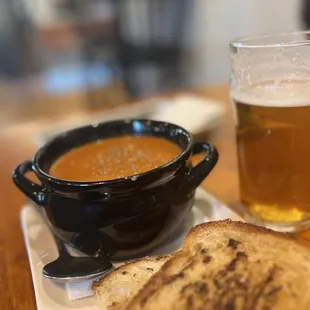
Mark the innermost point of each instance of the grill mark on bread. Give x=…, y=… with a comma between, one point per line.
x=233, y=243
x=207, y=259
x=230, y=305
x=189, y=265
x=263, y=286
x=242, y=283
x=189, y=301
x=185, y=287
x=170, y=279
x=243, y=287
x=245, y=283
x=231, y=266
x=273, y=291
x=241, y=254
x=217, y=283
x=113, y=304
x=201, y=287
x=144, y=300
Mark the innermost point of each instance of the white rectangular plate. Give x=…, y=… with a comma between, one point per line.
x=41, y=250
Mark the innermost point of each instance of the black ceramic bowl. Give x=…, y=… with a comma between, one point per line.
x=123, y=215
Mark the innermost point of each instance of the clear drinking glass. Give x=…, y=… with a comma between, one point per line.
x=270, y=90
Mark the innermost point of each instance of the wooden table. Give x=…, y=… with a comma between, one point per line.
x=16, y=290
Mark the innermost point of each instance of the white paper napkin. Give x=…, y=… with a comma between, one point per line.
x=195, y=114
x=79, y=290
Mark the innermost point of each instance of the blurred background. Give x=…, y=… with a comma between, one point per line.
x=57, y=55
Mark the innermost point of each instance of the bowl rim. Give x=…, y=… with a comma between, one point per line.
x=44, y=175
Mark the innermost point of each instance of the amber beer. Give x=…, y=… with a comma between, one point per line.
x=273, y=140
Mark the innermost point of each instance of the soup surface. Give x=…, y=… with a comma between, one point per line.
x=114, y=158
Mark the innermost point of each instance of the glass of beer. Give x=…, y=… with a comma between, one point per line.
x=270, y=90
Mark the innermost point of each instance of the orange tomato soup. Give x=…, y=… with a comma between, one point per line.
x=114, y=158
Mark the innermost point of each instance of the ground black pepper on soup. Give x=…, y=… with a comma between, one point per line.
x=113, y=158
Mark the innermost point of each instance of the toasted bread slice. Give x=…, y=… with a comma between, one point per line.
x=116, y=288
x=228, y=265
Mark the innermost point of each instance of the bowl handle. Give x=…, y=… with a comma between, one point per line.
x=198, y=173
x=34, y=191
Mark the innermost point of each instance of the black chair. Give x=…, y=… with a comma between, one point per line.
x=159, y=44
x=125, y=49
x=16, y=54
x=97, y=44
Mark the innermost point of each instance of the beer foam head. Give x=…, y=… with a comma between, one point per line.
x=272, y=94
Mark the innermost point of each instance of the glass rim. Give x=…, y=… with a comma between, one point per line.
x=251, y=41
